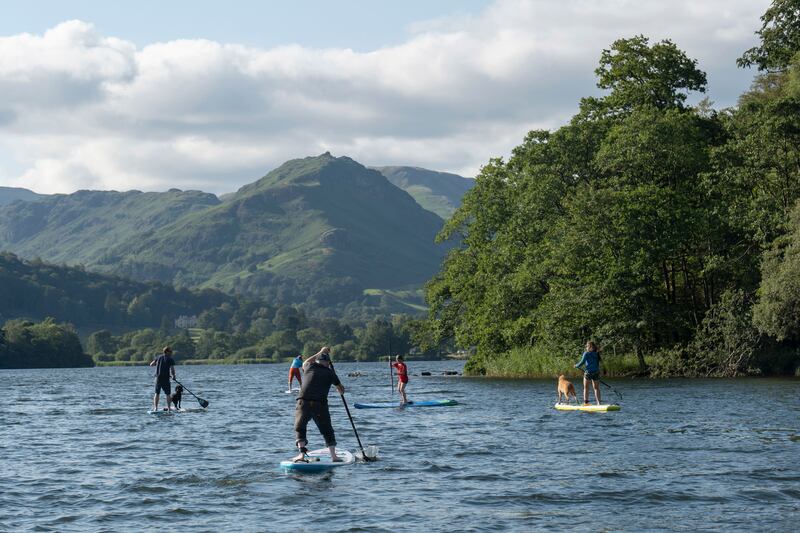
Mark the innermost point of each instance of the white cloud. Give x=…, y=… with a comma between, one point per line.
x=83, y=110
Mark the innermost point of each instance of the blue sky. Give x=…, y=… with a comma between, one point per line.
x=358, y=24
x=209, y=95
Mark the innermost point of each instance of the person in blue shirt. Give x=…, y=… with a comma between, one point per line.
x=591, y=372
x=294, y=371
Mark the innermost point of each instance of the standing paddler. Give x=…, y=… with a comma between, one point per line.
x=312, y=402
x=294, y=371
x=164, y=366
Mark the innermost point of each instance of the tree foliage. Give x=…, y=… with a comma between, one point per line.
x=639, y=224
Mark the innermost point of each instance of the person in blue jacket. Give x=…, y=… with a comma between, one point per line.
x=294, y=371
x=591, y=372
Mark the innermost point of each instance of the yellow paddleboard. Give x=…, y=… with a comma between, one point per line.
x=590, y=407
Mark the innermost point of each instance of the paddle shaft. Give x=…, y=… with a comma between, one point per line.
x=200, y=400
x=347, y=409
x=610, y=387
x=391, y=377
x=360, y=446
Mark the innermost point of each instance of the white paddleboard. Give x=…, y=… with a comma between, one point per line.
x=320, y=461
x=289, y=391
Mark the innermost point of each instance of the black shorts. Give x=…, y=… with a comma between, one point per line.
x=594, y=376
x=163, y=384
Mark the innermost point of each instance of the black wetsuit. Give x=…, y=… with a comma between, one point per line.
x=312, y=404
x=164, y=364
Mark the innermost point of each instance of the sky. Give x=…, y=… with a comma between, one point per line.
x=154, y=95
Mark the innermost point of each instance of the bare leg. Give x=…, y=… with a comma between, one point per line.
x=585, y=390
x=596, y=386
x=155, y=402
x=401, y=388
x=169, y=402
x=332, y=451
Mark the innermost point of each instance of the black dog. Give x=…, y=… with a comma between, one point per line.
x=176, y=396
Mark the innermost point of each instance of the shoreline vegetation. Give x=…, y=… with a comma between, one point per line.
x=661, y=228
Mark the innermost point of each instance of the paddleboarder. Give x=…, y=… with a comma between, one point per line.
x=294, y=371
x=402, y=378
x=164, y=366
x=312, y=402
x=591, y=359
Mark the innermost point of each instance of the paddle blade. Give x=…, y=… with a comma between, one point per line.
x=370, y=454
x=203, y=403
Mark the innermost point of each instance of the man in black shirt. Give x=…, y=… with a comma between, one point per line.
x=164, y=365
x=312, y=403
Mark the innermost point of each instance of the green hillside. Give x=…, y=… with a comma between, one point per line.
x=12, y=194
x=35, y=290
x=323, y=227
x=81, y=228
x=440, y=192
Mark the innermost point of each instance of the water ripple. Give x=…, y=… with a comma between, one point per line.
x=682, y=455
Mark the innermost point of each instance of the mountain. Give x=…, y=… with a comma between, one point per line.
x=319, y=230
x=439, y=192
x=12, y=194
x=82, y=227
x=321, y=225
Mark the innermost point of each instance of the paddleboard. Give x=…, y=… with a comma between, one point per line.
x=591, y=407
x=426, y=403
x=181, y=410
x=320, y=461
x=289, y=391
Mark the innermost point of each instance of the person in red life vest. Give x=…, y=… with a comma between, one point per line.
x=402, y=378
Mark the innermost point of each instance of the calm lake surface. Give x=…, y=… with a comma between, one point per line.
x=78, y=452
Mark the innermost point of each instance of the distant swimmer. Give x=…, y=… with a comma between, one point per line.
x=402, y=378
x=312, y=403
x=164, y=366
x=294, y=371
x=591, y=359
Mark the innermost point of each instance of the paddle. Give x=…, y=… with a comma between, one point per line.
x=373, y=449
x=203, y=403
x=391, y=377
x=612, y=388
x=363, y=453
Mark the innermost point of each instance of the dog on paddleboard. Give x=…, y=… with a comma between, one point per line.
x=176, y=397
x=566, y=389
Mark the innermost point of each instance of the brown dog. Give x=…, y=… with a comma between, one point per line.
x=566, y=388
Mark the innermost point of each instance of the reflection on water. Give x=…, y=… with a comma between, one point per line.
x=78, y=451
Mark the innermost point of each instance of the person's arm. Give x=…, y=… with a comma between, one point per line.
x=173, y=372
x=153, y=361
x=313, y=358
x=340, y=388
x=582, y=361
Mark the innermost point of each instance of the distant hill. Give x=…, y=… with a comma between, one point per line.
x=35, y=290
x=82, y=227
x=12, y=194
x=319, y=230
x=440, y=192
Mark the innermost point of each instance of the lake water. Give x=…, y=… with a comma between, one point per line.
x=79, y=452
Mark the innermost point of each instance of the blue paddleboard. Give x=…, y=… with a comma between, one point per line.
x=426, y=403
x=320, y=461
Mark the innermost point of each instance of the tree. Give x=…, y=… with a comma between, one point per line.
x=637, y=74
x=780, y=37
